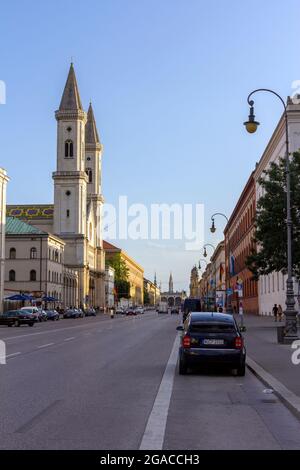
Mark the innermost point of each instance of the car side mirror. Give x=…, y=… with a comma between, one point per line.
x=179, y=328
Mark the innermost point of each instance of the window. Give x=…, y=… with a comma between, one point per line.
x=68, y=149
x=12, y=275
x=56, y=256
x=33, y=275
x=49, y=276
x=12, y=253
x=33, y=253
x=89, y=172
x=68, y=213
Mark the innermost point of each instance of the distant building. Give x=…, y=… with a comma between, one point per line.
x=194, y=283
x=135, y=272
x=109, y=287
x=3, y=183
x=153, y=292
x=171, y=297
x=218, y=274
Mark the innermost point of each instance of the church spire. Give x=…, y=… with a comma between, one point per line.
x=91, y=133
x=171, y=284
x=70, y=100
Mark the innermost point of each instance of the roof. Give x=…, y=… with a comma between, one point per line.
x=211, y=317
x=109, y=246
x=70, y=100
x=91, y=133
x=30, y=211
x=16, y=226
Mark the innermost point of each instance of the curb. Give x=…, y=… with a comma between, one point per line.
x=289, y=398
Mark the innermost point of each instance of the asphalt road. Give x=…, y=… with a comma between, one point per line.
x=101, y=383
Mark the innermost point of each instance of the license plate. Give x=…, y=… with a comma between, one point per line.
x=213, y=342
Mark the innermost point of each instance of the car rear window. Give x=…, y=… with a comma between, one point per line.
x=212, y=327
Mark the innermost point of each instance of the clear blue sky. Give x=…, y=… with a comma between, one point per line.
x=168, y=80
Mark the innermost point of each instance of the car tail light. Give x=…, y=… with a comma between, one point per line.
x=186, y=342
x=239, y=342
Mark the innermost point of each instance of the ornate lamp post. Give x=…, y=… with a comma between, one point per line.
x=213, y=229
x=290, y=312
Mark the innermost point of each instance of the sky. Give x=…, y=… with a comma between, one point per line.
x=168, y=81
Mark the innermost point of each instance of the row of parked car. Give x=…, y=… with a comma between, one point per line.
x=31, y=315
x=130, y=310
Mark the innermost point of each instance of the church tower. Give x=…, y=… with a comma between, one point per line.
x=171, y=284
x=70, y=184
x=93, y=161
x=70, y=179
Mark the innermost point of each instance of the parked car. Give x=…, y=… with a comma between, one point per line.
x=71, y=313
x=140, y=310
x=17, y=318
x=52, y=315
x=120, y=310
x=211, y=338
x=80, y=312
x=42, y=315
x=174, y=310
x=90, y=312
x=131, y=311
x=34, y=311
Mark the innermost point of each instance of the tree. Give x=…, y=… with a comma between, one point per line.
x=146, y=297
x=270, y=221
x=122, y=285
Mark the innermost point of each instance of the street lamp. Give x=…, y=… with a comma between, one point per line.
x=290, y=312
x=204, y=249
x=213, y=229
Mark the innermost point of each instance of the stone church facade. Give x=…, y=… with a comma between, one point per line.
x=75, y=216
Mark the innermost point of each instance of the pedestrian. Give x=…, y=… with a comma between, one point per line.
x=275, y=311
x=220, y=309
x=280, y=312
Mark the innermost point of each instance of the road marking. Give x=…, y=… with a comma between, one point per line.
x=153, y=438
x=13, y=354
x=45, y=345
x=69, y=339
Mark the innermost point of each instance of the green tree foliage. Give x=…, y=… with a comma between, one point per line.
x=122, y=285
x=270, y=221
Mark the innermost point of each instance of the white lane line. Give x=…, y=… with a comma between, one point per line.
x=45, y=345
x=13, y=354
x=69, y=339
x=153, y=438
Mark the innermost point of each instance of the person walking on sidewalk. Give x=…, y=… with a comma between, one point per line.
x=280, y=312
x=275, y=311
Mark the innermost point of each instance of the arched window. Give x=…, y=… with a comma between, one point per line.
x=49, y=276
x=33, y=275
x=56, y=256
x=12, y=253
x=12, y=275
x=33, y=253
x=68, y=149
x=89, y=172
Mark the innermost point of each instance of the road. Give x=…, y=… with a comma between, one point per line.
x=101, y=383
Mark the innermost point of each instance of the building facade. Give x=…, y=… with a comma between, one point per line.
x=239, y=233
x=109, y=287
x=194, y=283
x=153, y=292
x=3, y=183
x=218, y=274
x=34, y=264
x=272, y=287
x=135, y=272
x=75, y=217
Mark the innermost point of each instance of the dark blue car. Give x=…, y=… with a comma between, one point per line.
x=211, y=338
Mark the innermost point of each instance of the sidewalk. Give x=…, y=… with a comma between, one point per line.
x=273, y=358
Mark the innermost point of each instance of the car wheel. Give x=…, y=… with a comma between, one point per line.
x=241, y=370
x=31, y=324
x=182, y=367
